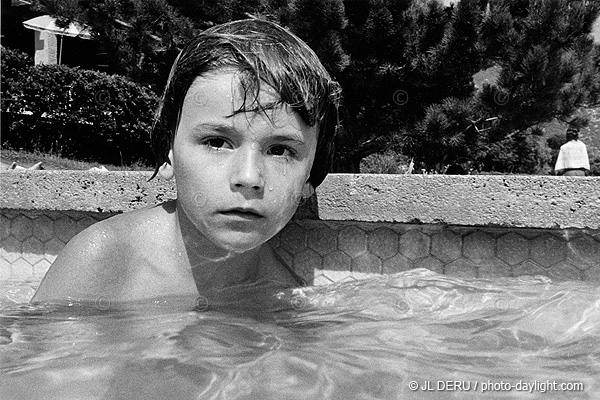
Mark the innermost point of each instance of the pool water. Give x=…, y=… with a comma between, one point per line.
x=367, y=339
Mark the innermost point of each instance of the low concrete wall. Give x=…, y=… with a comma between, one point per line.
x=474, y=226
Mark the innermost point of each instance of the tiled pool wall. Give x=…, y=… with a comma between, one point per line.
x=358, y=225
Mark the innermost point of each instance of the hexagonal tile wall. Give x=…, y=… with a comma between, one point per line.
x=414, y=244
x=529, y=268
x=583, y=252
x=479, y=247
x=512, y=248
x=293, y=238
x=547, y=250
x=337, y=261
x=446, y=246
x=305, y=263
x=32, y=250
x=397, y=263
x=323, y=251
x=366, y=262
x=21, y=227
x=461, y=268
x=493, y=268
x=431, y=263
x=43, y=228
x=383, y=243
x=4, y=226
x=352, y=240
x=32, y=240
x=564, y=271
x=323, y=240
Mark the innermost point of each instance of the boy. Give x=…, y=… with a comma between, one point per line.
x=246, y=126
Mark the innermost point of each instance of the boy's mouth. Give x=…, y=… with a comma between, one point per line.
x=243, y=212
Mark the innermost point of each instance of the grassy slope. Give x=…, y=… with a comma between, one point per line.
x=50, y=161
x=590, y=135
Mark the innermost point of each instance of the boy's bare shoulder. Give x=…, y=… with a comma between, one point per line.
x=97, y=261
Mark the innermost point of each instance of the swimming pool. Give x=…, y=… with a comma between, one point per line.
x=367, y=339
x=479, y=327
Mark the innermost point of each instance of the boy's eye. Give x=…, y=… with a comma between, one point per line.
x=280, y=150
x=216, y=143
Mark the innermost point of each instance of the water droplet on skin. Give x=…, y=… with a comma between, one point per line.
x=271, y=188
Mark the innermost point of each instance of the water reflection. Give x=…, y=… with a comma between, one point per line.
x=364, y=339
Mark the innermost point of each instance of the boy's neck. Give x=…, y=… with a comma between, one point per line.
x=234, y=269
x=213, y=267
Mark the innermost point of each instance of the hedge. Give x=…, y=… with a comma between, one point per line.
x=75, y=113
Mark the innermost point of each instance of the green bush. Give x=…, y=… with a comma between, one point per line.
x=594, y=165
x=15, y=64
x=526, y=152
x=75, y=113
x=386, y=163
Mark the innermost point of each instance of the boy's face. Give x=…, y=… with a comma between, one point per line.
x=239, y=176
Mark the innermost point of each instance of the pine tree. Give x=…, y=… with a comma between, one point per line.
x=373, y=83
x=545, y=54
x=443, y=86
x=319, y=23
x=405, y=66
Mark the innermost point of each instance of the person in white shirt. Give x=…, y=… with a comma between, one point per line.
x=573, y=157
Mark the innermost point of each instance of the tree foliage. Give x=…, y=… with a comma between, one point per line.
x=547, y=69
x=544, y=50
x=406, y=66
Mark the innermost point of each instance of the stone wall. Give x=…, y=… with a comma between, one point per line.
x=358, y=225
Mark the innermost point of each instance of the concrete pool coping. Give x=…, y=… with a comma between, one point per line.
x=546, y=202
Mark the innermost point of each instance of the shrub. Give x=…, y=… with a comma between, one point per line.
x=15, y=64
x=387, y=163
x=594, y=165
x=526, y=152
x=76, y=113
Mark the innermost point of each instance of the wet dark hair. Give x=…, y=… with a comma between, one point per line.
x=264, y=53
x=572, y=133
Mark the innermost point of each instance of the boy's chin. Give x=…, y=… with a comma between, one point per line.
x=241, y=244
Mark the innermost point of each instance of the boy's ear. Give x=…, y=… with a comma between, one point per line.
x=166, y=170
x=307, y=190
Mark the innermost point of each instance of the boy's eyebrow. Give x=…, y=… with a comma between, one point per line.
x=224, y=128
x=216, y=126
x=288, y=138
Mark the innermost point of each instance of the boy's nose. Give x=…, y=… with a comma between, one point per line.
x=247, y=170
